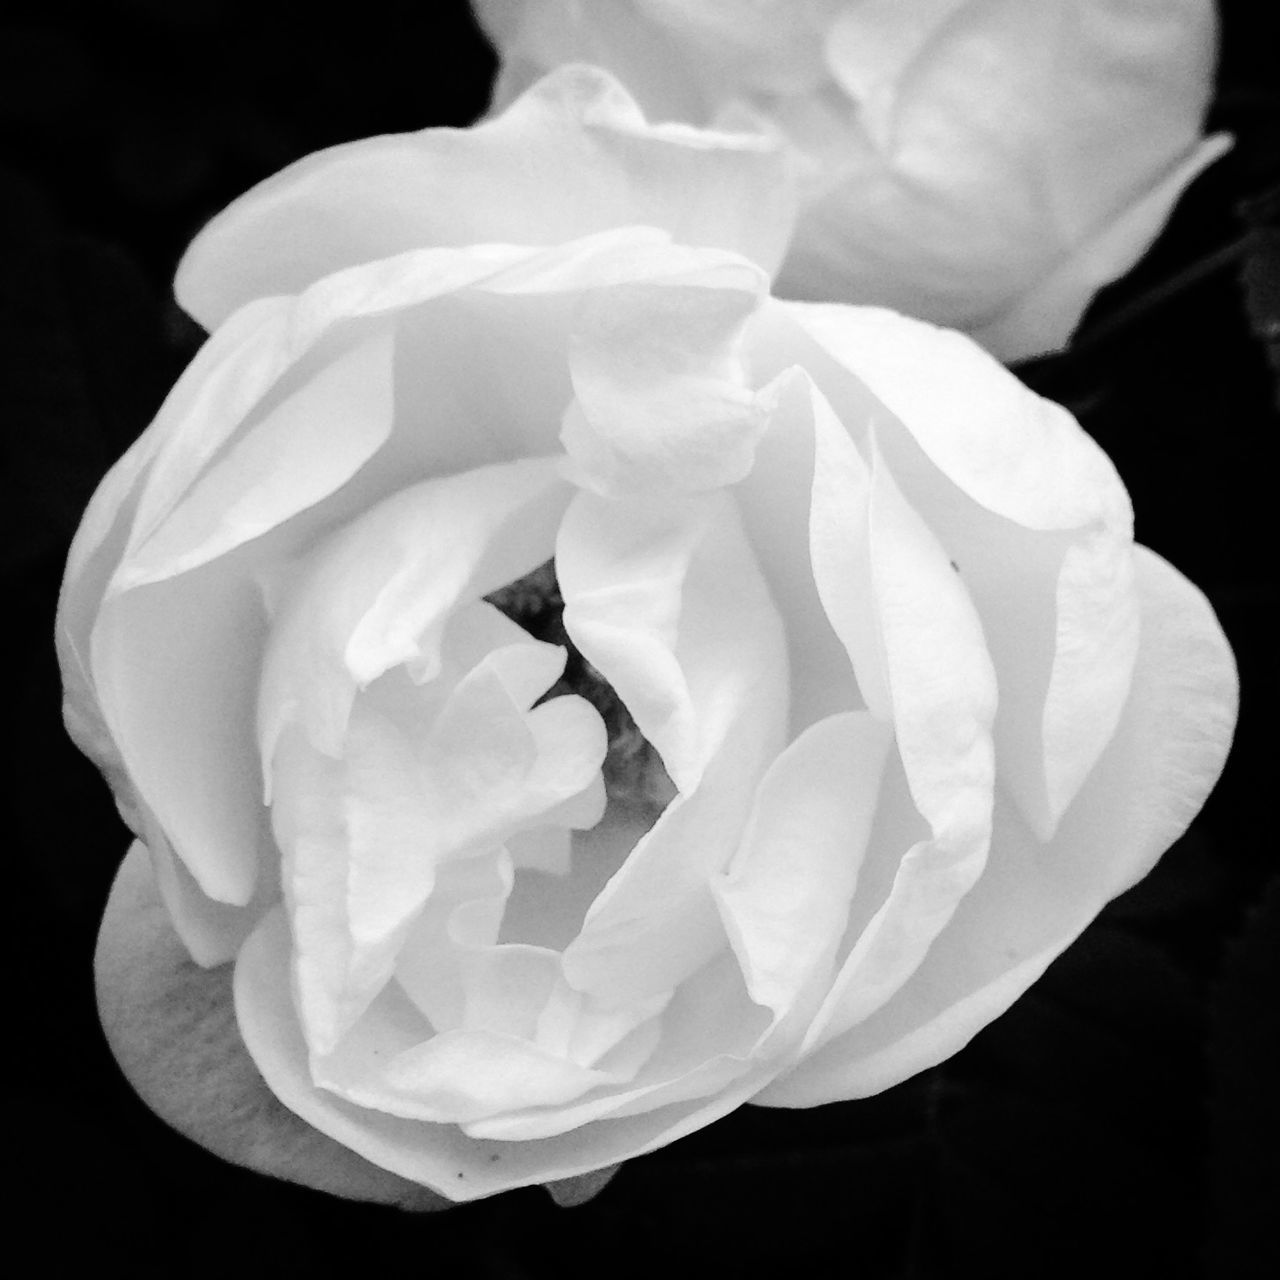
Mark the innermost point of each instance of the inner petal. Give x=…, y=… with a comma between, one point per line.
x=668, y=601
x=379, y=592
x=427, y=776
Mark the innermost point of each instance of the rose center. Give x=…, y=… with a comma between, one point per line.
x=634, y=775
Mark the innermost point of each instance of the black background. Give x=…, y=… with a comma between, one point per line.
x=1120, y=1120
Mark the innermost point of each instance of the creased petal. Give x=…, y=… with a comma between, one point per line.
x=666, y=600
x=775, y=501
x=940, y=676
x=711, y=1040
x=367, y=837
x=460, y=1076
x=211, y=931
x=1013, y=452
x=174, y=666
x=228, y=377
x=1035, y=520
x=785, y=897
x=571, y=157
x=662, y=402
x=1034, y=899
x=112, y=508
x=378, y=593
x=439, y=1156
x=943, y=690
x=841, y=552
x=304, y=450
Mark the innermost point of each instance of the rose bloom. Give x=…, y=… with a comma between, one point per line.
x=582, y=693
x=985, y=164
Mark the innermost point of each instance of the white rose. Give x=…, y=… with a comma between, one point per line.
x=906, y=705
x=984, y=164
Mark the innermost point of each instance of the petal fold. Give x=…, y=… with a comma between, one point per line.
x=436, y=1155
x=572, y=156
x=785, y=897
x=665, y=599
x=662, y=402
x=1033, y=900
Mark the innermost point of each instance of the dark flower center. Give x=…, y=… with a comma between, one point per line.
x=634, y=775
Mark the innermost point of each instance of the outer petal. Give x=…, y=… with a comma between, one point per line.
x=211, y=931
x=1030, y=510
x=304, y=449
x=573, y=156
x=99, y=543
x=174, y=667
x=1019, y=455
x=1033, y=900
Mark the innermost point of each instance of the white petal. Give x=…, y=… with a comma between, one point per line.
x=377, y=594
x=662, y=402
x=667, y=602
x=1033, y=900
x=111, y=512
x=367, y=838
x=940, y=676
x=105, y=530
x=622, y=572
x=571, y=157
x=174, y=666
x=466, y=1075
x=785, y=896
x=545, y=849
x=944, y=695
x=1013, y=452
x=464, y=911
x=840, y=549
x=440, y=1156
x=713, y=1042
x=211, y=931
x=300, y=453
x=228, y=377
x=775, y=501
x=1034, y=518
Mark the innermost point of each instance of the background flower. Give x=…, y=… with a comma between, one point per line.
x=1110, y=1115
x=985, y=164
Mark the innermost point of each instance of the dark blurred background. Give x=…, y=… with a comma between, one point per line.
x=1120, y=1120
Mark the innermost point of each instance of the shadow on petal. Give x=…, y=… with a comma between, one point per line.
x=171, y=1026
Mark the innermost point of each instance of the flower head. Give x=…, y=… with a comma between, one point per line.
x=479, y=494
